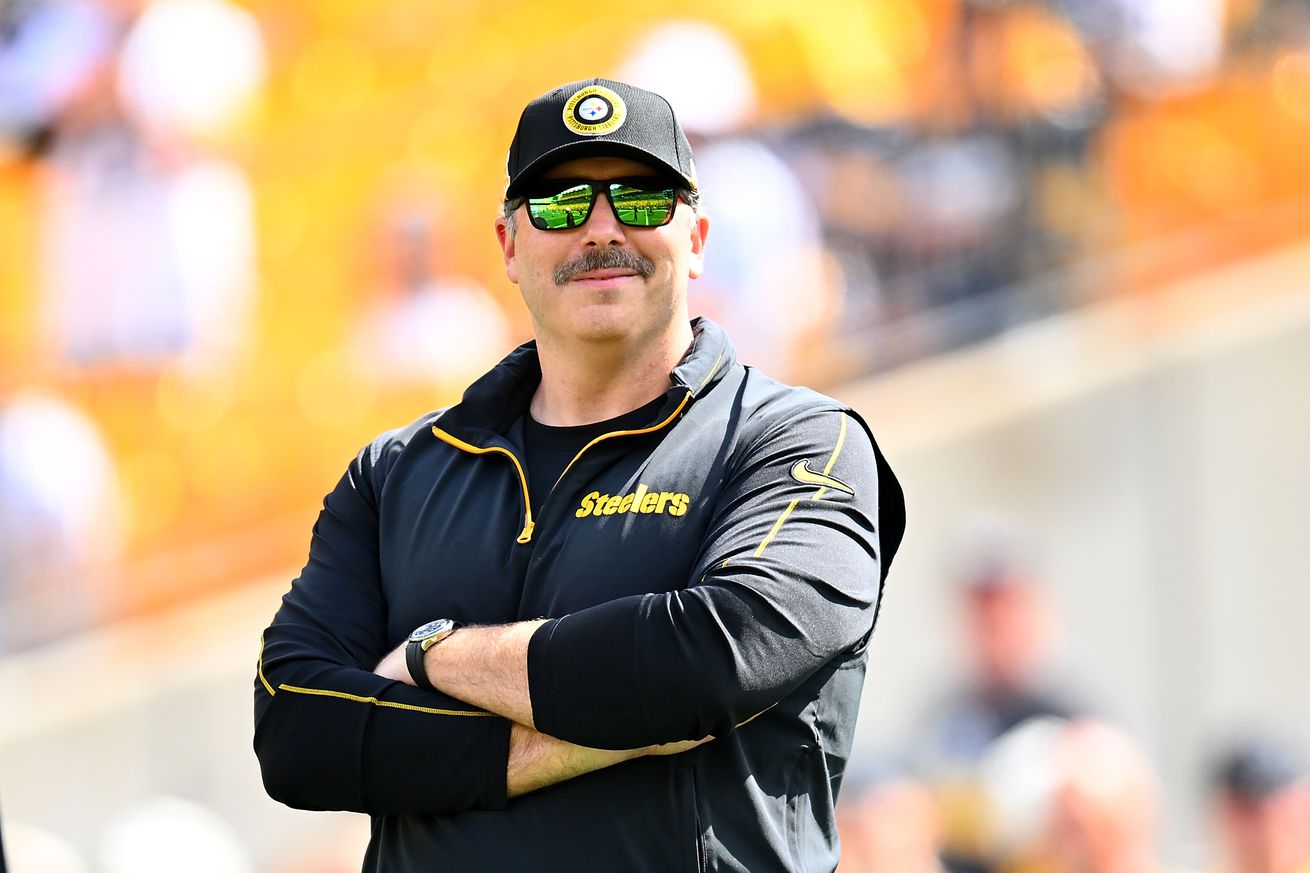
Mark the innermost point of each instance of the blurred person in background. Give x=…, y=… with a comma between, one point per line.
x=1003, y=133
x=1071, y=797
x=1105, y=806
x=61, y=517
x=147, y=237
x=1008, y=629
x=892, y=822
x=1262, y=793
x=423, y=325
x=707, y=546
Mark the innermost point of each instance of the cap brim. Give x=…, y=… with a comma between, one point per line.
x=590, y=149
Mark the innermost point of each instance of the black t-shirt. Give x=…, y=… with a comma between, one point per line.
x=548, y=449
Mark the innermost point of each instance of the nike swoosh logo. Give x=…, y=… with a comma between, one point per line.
x=801, y=472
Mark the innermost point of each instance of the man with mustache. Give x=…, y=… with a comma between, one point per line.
x=610, y=611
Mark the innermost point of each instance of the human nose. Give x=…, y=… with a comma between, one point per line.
x=603, y=227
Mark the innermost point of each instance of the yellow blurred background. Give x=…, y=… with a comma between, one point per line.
x=367, y=108
x=973, y=173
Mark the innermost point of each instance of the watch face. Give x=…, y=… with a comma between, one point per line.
x=430, y=629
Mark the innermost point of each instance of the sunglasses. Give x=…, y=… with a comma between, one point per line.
x=563, y=204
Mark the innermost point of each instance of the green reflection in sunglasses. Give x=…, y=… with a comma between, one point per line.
x=636, y=203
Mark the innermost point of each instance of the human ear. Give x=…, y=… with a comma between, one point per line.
x=700, y=229
x=505, y=236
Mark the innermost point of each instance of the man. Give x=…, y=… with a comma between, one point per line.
x=610, y=611
x=1007, y=626
x=1262, y=797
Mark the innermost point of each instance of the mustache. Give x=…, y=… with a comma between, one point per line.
x=604, y=259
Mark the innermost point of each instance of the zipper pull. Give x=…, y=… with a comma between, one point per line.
x=526, y=535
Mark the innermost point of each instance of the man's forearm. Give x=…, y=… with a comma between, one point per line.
x=537, y=760
x=486, y=667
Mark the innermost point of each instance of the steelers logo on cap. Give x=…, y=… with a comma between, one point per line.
x=594, y=110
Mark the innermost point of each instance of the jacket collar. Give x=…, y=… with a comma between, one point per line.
x=496, y=400
x=711, y=355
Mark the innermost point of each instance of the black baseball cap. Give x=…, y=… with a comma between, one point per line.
x=597, y=117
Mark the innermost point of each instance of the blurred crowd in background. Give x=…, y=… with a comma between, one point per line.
x=239, y=239
x=1016, y=769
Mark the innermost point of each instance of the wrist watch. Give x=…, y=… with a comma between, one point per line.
x=423, y=638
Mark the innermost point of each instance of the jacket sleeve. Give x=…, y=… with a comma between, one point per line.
x=789, y=578
x=331, y=734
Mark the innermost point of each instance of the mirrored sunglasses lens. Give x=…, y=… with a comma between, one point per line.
x=640, y=207
x=569, y=208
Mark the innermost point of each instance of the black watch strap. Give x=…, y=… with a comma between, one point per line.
x=414, y=653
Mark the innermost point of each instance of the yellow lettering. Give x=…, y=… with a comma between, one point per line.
x=587, y=502
x=643, y=500
x=637, y=497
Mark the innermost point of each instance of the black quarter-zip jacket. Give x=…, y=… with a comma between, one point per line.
x=724, y=561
